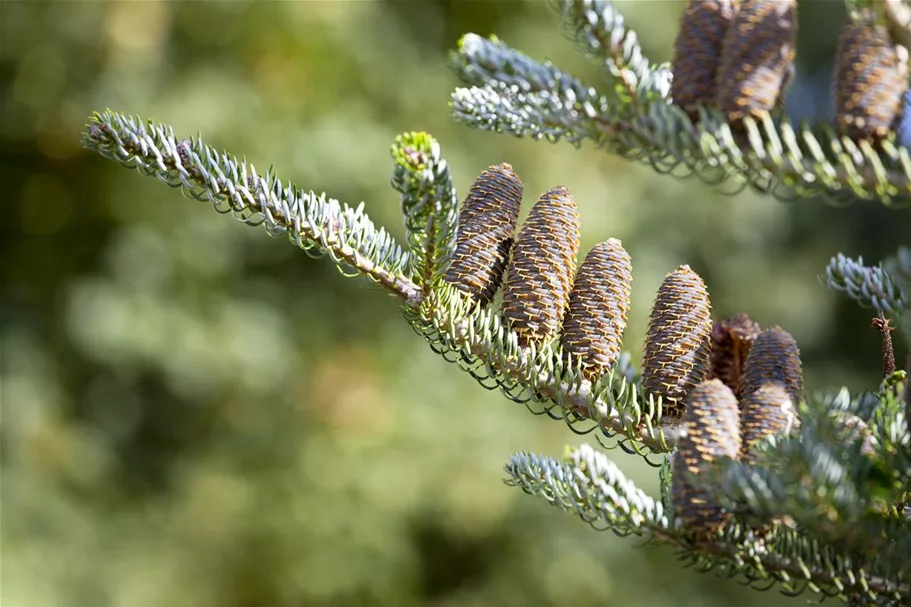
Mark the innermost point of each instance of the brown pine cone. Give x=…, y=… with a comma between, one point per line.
x=487, y=227
x=540, y=275
x=756, y=58
x=678, y=340
x=731, y=341
x=598, y=305
x=774, y=357
x=766, y=411
x=697, y=52
x=870, y=81
x=712, y=431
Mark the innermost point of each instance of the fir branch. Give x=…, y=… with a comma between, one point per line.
x=871, y=286
x=599, y=30
x=429, y=204
x=839, y=478
x=477, y=339
x=774, y=157
x=898, y=267
x=319, y=225
x=586, y=483
x=590, y=485
x=479, y=61
x=447, y=317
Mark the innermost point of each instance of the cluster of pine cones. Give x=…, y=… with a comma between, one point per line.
x=738, y=56
x=730, y=383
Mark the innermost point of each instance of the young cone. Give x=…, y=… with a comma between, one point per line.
x=870, y=80
x=756, y=58
x=712, y=431
x=487, y=226
x=540, y=275
x=774, y=357
x=678, y=340
x=598, y=305
x=697, y=52
x=731, y=342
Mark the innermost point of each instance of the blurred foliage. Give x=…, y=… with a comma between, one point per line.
x=196, y=414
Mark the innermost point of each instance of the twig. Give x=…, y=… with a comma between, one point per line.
x=881, y=324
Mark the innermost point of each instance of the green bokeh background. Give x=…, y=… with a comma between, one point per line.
x=196, y=414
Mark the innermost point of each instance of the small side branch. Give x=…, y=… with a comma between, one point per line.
x=586, y=483
x=312, y=221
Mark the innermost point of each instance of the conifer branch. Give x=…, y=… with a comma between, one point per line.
x=586, y=483
x=319, y=225
x=477, y=339
x=840, y=478
x=447, y=317
x=429, y=204
x=871, y=286
x=599, y=31
x=743, y=491
x=771, y=156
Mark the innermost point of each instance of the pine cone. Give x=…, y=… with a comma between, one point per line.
x=766, y=411
x=731, y=341
x=774, y=357
x=598, y=305
x=540, y=275
x=756, y=58
x=870, y=81
x=487, y=226
x=678, y=340
x=712, y=424
x=697, y=52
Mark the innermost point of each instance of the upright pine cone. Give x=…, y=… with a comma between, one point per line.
x=697, y=52
x=774, y=357
x=870, y=80
x=731, y=341
x=487, y=226
x=766, y=411
x=756, y=58
x=598, y=305
x=540, y=275
x=712, y=431
x=678, y=340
